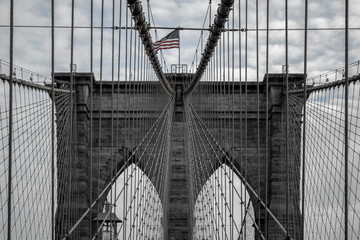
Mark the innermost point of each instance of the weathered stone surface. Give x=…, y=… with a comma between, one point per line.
x=220, y=112
x=214, y=100
x=179, y=215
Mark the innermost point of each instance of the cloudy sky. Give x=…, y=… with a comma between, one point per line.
x=326, y=47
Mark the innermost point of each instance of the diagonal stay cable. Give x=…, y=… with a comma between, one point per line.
x=220, y=162
x=242, y=177
x=144, y=31
x=216, y=30
x=152, y=130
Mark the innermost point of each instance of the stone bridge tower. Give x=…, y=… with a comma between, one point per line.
x=180, y=211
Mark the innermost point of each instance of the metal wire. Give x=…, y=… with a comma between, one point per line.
x=318, y=125
x=10, y=126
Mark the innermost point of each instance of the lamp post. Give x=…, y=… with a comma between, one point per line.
x=109, y=221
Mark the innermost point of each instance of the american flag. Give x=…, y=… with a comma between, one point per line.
x=169, y=41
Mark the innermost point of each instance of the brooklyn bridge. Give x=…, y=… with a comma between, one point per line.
x=239, y=121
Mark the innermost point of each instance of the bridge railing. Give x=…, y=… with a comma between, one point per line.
x=335, y=75
x=179, y=68
x=327, y=80
x=22, y=74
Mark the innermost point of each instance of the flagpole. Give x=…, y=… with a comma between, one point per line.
x=179, y=48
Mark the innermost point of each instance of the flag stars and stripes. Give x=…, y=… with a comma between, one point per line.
x=169, y=41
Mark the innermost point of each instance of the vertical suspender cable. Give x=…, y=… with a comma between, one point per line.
x=140, y=76
x=346, y=127
x=240, y=105
x=221, y=86
x=130, y=124
x=117, y=98
x=131, y=119
x=246, y=81
x=304, y=124
x=216, y=125
x=10, y=115
x=267, y=118
x=209, y=13
x=112, y=107
x=287, y=118
x=227, y=125
x=233, y=124
x=258, y=111
x=71, y=111
x=52, y=123
x=91, y=114
x=223, y=136
x=100, y=110
x=126, y=121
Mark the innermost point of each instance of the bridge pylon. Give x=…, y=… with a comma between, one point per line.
x=178, y=221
